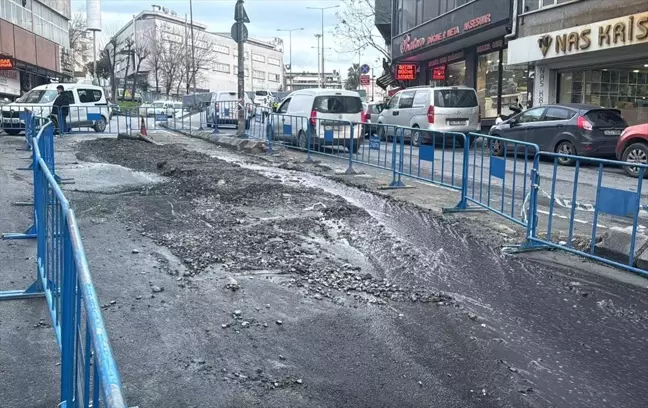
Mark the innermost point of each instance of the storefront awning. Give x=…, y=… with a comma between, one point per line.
x=386, y=80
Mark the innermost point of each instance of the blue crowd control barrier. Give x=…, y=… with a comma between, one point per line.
x=376, y=150
x=499, y=173
x=89, y=375
x=610, y=204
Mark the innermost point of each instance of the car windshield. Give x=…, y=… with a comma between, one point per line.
x=338, y=104
x=261, y=93
x=606, y=118
x=455, y=98
x=38, y=96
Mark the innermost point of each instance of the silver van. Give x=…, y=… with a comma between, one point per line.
x=443, y=109
x=329, y=114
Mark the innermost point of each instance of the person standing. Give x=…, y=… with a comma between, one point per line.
x=61, y=109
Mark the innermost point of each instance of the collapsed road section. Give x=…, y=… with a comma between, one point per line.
x=243, y=284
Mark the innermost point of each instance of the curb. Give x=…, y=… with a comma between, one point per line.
x=231, y=142
x=615, y=245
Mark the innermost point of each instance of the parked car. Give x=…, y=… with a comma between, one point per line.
x=88, y=107
x=371, y=112
x=442, y=109
x=263, y=98
x=226, y=104
x=323, y=112
x=632, y=147
x=167, y=108
x=569, y=129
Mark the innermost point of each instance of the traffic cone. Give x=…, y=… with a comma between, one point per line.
x=143, y=131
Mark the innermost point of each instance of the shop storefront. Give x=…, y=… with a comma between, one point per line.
x=603, y=64
x=466, y=46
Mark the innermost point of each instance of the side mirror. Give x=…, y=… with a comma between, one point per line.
x=513, y=122
x=515, y=108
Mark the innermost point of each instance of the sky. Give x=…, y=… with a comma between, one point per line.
x=266, y=16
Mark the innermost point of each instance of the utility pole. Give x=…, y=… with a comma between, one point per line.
x=320, y=74
x=186, y=43
x=322, y=10
x=193, y=52
x=239, y=32
x=373, y=85
x=290, y=30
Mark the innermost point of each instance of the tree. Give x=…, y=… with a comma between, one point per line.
x=203, y=59
x=141, y=53
x=111, y=57
x=172, y=65
x=156, y=57
x=81, y=48
x=356, y=28
x=127, y=52
x=353, y=77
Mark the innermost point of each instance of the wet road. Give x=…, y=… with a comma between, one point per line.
x=574, y=338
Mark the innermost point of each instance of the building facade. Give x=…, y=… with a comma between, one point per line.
x=34, y=44
x=457, y=42
x=263, y=60
x=305, y=80
x=585, y=51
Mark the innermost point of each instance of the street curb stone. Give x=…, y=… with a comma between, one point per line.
x=228, y=141
x=615, y=245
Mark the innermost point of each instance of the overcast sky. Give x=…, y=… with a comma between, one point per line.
x=266, y=16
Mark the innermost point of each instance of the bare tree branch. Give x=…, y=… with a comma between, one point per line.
x=356, y=28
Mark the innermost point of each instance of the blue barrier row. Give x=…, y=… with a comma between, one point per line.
x=89, y=375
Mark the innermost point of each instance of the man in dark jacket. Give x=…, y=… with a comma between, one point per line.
x=61, y=109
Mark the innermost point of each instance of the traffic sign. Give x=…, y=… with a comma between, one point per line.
x=365, y=69
x=365, y=80
x=240, y=15
x=235, y=32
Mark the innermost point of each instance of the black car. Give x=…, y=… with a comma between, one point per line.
x=573, y=129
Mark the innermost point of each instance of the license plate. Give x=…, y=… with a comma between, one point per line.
x=612, y=132
x=456, y=122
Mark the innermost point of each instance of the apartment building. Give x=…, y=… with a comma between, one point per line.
x=305, y=80
x=34, y=44
x=263, y=60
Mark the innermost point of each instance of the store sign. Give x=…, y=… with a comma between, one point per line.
x=406, y=72
x=365, y=80
x=439, y=73
x=6, y=63
x=465, y=20
x=447, y=59
x=602, y=35
x=490, y=46
x=9, y=82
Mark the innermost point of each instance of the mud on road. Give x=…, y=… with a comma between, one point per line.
x=269, y=289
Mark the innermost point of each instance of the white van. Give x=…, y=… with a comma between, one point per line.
x=88, y=107
x=263, y=98
x=329, y=114
x=226, y=104
x=442, y=109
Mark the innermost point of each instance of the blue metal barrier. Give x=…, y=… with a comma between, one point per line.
x=89, y=375
x=377, y=150
x=619, y=206
x=499, y=172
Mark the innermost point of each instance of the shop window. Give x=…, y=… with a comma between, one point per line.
x=456, y=74
x=625, y=89
x=514, y=85
x=488, y=83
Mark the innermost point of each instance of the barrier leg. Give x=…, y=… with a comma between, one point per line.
x=29, y=234
x=268, y=129
x=396, y=179
x=35, y=290
x=216, y=131
x=309, y=159
x=463, y=206
x=349, y=170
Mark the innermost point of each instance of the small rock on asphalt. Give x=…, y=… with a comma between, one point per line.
x=279, y=322
x=157, y=289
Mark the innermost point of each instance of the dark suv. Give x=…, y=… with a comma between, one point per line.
x=573, y=129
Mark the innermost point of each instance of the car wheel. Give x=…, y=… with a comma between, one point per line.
x=497, y=148
x=416, y=136
x=301, y=141
x=635, y=153
x=566, y=148
x=12, y=132
x=100, y=125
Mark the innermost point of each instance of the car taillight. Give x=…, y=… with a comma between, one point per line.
x=367, y=117
x=583, y=123
x=430, y=114
x=216, y=106
x=313, y=118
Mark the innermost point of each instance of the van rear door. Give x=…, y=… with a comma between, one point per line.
x=335, y=112
x=228, y=106
x=456, y=110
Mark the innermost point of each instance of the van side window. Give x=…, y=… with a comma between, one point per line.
x=96, y=95
x=393, y=102
x=89, y=95
x=69, y=96
x=406, y=100
x=421, y=99
x=284, y=106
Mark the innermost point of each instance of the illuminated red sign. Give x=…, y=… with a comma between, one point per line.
x=439, y=73
x=6, y=63
x=406, y=72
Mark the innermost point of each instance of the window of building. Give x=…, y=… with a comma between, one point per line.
x=274, y=61
x=623, y=88
x=273, y=77
x=258, y=58
x=488, y=83
x=258, y=74
x=456, y=74
x=514, y=85
x=409, y=14
x=222, y=49
x=533, y=5
x=222, y=68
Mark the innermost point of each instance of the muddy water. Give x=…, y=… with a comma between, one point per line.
x=575, y=343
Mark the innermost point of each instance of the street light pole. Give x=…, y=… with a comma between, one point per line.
x=320, y=74
x=290, y=30
x=193, y=53
x=322, y=10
